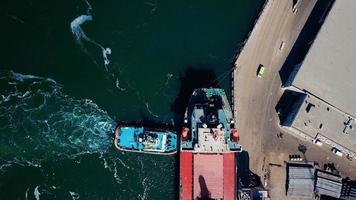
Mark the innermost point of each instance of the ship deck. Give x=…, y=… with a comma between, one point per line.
x=211, y=140
x=128, y=138
x=207, y=157
x=139, y=139
x=207, y=175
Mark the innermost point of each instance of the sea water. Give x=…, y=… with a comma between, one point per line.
x=71, y=70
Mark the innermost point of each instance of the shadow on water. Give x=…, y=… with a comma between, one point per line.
x=247, y=177
x=148, y=122
x=192, y=78
x=305, y=38
x=204, y=191
x=151, y=123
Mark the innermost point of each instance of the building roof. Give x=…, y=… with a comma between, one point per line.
x=348, y=191
x=328, y=184
x=320, y=120
x=300, y=181
x=328, y=70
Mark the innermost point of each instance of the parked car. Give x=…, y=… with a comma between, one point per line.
x=337, y=152
x=350, y=158
x=260, y=71
x=317, y=142
x=295, y=158
x=281, y=46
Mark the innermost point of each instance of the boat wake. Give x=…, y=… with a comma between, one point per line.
x=165, y=86
x=79, y=34
x=169, y=76
x=153, y=5
x=38, y=121
x=74, y=195
x=117, y=84
x=36, y=193
x=45, y=191
x=142, y=99
x=146, y=188
x=149, y=110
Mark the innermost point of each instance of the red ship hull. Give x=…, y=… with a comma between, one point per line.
x=207, y=176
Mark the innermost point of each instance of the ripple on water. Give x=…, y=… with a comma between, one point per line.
x=79, y=34
x=42, y=121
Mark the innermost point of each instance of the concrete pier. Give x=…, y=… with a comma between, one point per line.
x=269, y=43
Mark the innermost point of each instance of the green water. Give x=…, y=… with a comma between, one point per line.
x=59, y=102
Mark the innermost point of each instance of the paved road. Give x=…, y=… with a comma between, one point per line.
x=256, y=98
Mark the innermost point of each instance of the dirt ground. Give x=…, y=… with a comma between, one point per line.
x=256, y=98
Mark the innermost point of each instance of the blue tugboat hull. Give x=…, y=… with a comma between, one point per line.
x=144, y=140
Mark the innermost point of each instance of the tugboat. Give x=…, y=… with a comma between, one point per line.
x=145, y=140
x=209, y=142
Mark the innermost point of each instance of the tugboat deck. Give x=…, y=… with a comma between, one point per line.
x=139, y=139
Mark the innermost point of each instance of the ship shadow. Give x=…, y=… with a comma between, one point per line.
x=247, y=178
x=191, y=79
x=204, y=191
x=147, y=122
x=153, y=124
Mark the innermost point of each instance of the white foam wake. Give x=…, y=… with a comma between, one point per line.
x=26, y=193
x=118, y=85
x=142, y=98
x=123, y=164
x=79, y=34
x=149, y=110
x=146, y=187
x=35, y=115
x=74, y=195
x=24, y=77
x=36, y=193
x=15, y=18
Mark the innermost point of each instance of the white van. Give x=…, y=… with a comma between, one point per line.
x=317, y=142
x=337, y=152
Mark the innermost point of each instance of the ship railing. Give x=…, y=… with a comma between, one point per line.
x=226, y=107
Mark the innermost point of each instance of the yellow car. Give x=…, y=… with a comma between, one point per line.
x=260, y=71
